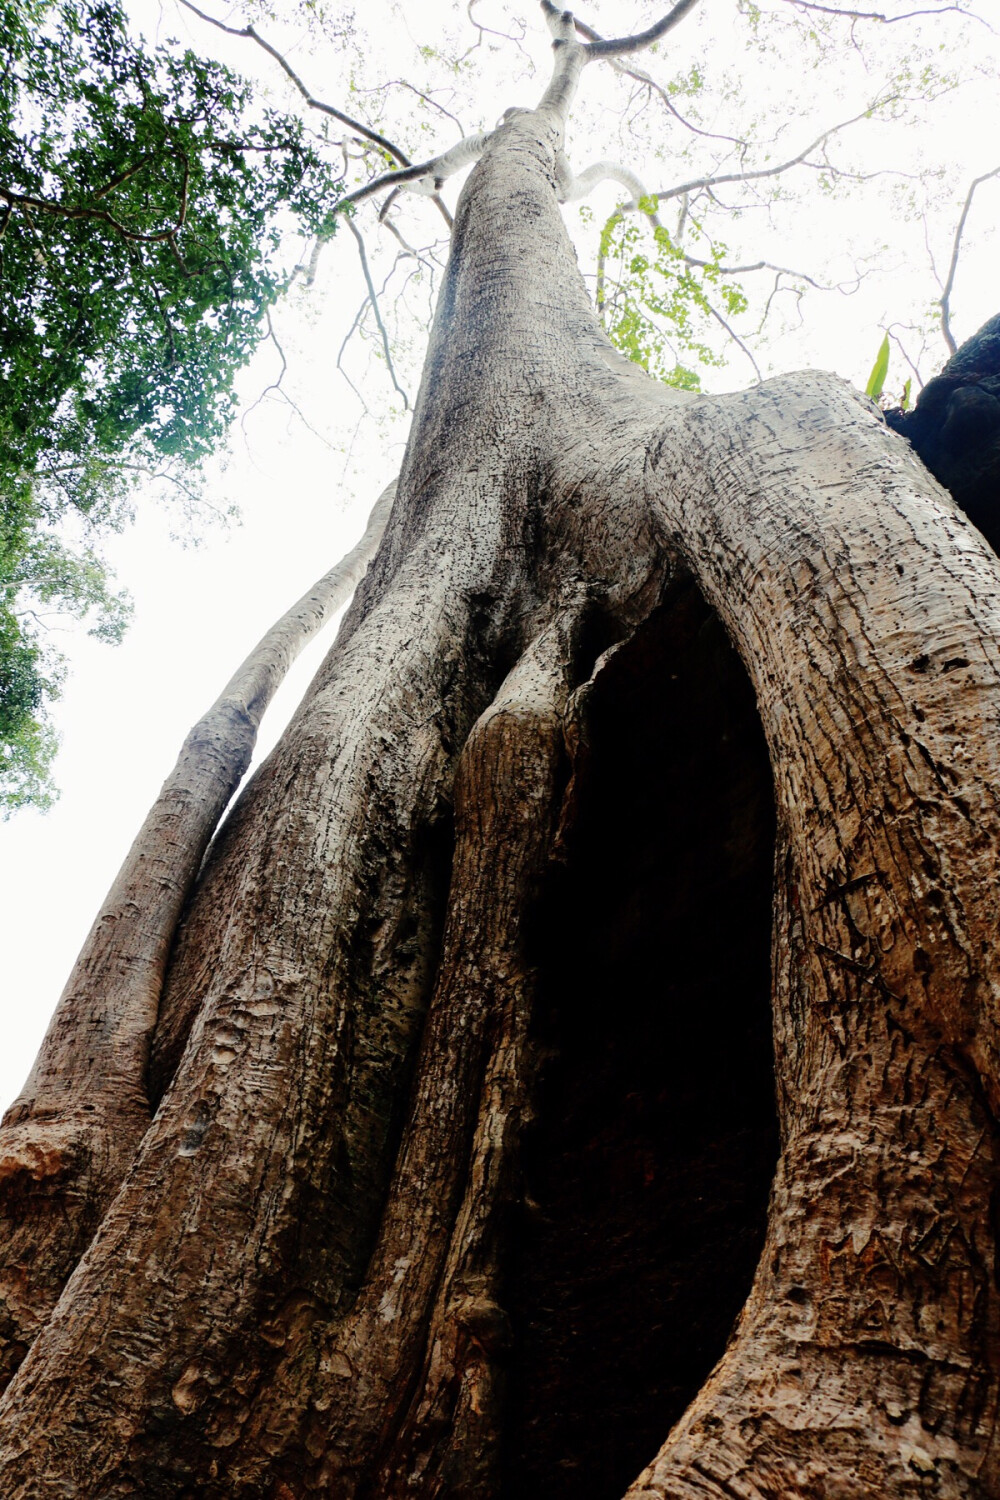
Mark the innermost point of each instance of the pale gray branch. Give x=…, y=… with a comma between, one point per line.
x=375, y=309
x=953, y=266
x=877, y=15
x=619, y=46
x=714, y=180
x=571, y=188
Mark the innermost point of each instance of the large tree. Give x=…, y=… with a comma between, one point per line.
x=425, y=1135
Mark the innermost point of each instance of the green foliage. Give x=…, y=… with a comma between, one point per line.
x=657, y=303
x=143, y=199
x=880, y=369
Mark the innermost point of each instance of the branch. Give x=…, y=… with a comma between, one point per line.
x=569, y=58
x=438, y=169
x=365, y=131
x=375, y=309
x=708, y=182
x=78, y=211
x=347, y=337
x=758, y=265
x=736, y=339
x=952, y=269
x=327, y=109
x=571, y=188
x=639, y=75
x=877, y=15
x=619, y=46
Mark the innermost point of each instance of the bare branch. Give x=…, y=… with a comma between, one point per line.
x=735, y=338
x=953, y=267
x=628, y=70
x=328, y=109
x=507, y=36
x=347, y=338
x=365, y=131
x=697, y=183
x=431, y=174
x=403, y=83
x=877, y=15
x=619, y=46
x=375, y=309
x=443, y=209
x=639, y=75
x=571, y=188
x=757, y=265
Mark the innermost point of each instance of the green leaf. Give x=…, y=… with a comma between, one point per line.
x=905, y=399
x=880, y=369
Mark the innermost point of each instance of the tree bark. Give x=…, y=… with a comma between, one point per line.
x=68, y=1138
x=308, y=1281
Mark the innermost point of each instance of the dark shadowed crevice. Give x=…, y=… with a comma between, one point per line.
x=649, y=1160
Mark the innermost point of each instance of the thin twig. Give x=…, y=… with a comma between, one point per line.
x=403, y=83
x=736, y=339
x=757, y=265
x=375, y=309
x=697, y=183
x=383, y=142
x=328, y=109
x=275, y=385
x=639, y=75
x=953, y=267
x=877, y=15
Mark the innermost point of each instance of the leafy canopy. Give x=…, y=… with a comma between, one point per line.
x=144, y=198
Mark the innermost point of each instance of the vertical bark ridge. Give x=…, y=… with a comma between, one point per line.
x=449, y=1439
x=66, y=1141
x=282, y=1099
x=336, y=1405
x=279, y=1106
x=867, y=1355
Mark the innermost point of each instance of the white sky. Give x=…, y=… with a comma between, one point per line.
x=304, y=498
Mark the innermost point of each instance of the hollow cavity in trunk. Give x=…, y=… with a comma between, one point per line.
x=648, y=1163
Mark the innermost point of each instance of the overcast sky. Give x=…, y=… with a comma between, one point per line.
x=304, y=491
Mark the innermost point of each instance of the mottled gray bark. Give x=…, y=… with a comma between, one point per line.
x=67, y=1139
x=305, y=1283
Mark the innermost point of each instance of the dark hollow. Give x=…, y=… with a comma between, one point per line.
x=648, y=1164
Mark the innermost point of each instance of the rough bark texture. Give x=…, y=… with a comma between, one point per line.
x=465, y=1038
x=67, y=1140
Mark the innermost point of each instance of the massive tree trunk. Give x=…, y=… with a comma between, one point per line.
x=579, y=1050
